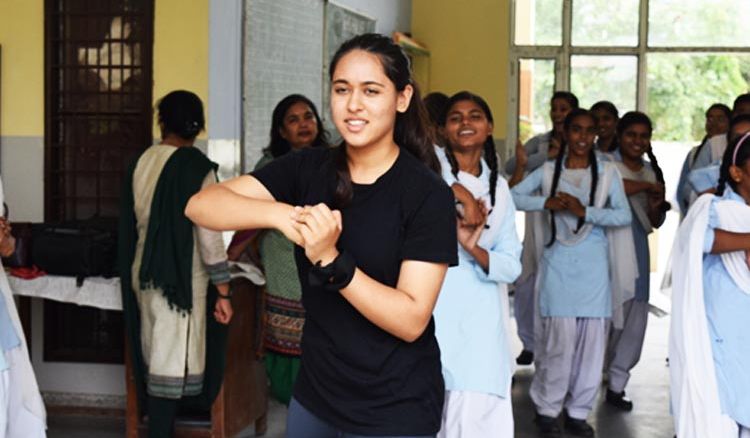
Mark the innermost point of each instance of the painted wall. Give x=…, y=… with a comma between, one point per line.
x=180, y=49
x=468, y=44
x=22, y=107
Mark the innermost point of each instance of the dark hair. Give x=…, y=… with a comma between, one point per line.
x=490, y=155
x=411, y=132
x=727, y=112
x=741, y=99
x=181, y=114
x=436, y=104
x=742, y=118
x=567, y=96
x=638, y=118
x=278, y=145
x=721, y=107
x=593, y=164
x=609, y=107
x=743, y=154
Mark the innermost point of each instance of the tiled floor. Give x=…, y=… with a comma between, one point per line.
x=648, y=389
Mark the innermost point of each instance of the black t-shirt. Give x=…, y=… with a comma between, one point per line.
x=354, y=375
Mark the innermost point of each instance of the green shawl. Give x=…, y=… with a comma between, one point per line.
x=167, y=264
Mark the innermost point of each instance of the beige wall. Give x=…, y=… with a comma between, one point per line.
x=468, y=43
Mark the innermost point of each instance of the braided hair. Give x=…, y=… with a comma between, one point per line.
x=593, y=165
x=490, y=155
x=742, y=147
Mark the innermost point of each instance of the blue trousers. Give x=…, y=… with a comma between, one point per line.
x=301, y=423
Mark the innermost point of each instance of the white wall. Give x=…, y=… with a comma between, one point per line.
x=391, y=15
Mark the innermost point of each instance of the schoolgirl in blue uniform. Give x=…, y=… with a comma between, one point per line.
x=709, y=348
x=471, y=315
x=584, y=198
x=529, y=157
x=644, y=184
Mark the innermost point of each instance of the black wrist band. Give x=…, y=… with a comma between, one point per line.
x=228, y=296
x=334, y=276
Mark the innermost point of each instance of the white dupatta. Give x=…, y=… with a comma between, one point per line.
x=623, y=267
x=481, y=190
x=696, y=406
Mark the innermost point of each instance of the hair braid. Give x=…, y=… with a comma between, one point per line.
x=553, y=190
x=490, y=155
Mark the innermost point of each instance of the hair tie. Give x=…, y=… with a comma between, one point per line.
x=737, y=148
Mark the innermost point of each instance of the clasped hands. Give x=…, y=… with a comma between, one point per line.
x=317, y=229
x=470, y=225
x=565, y=201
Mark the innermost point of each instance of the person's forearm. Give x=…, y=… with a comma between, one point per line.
x=517, y=176
x=219, y=208
x=481, y=256
x=727, y=241
x=632, y=187
x=393, y=310
x=223, y=289
x=462, y=194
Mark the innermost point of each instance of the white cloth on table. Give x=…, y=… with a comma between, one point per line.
x=99, y=292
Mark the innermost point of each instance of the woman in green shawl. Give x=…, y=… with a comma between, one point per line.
x=171, y=269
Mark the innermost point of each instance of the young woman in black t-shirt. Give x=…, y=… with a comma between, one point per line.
x=375, y=228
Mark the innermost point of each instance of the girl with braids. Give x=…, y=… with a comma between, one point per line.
x=471, y=315
x=375, y=230
x=528, y=158
x=581, y=284
x=644, y=186
x=709, y=352
x=606, y=115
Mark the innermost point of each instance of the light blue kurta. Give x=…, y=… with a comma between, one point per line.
x=469, y=323
x=8, y=336
x=705, y=178
x=575, y=280
x=727, y=311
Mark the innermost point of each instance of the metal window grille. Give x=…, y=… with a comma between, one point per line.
x=98, y=109
x=98, y=117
